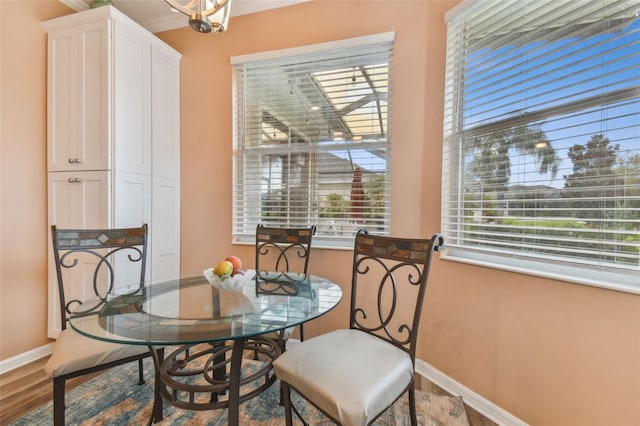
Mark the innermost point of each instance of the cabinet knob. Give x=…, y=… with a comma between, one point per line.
x=73, y=180
x=74, y=160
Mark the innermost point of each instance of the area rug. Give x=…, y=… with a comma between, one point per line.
x=113, y=398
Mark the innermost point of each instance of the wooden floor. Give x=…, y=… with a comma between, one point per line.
x=26, y=388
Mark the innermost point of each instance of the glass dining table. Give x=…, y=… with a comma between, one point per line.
x=221, y=342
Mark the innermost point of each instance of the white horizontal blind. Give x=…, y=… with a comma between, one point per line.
x=542, y=133
x=312, y=142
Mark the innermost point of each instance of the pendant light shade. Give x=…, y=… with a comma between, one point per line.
x=205, y=16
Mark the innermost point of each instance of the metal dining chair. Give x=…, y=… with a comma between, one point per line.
x=283, y=250
x=90, y=253
x=353, y=375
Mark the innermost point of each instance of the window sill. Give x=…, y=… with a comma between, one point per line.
x=591, y=275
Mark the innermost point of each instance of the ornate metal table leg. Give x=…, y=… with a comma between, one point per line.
x=156, y=411
x=234, y=382
x=219, y=374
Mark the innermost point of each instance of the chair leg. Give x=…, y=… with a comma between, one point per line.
x=140, y=372
x=58, y=401
x=412, y=405
x=285, y=393
x=302, y=332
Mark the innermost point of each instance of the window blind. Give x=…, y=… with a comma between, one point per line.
x=312, y=140
x=541, y=159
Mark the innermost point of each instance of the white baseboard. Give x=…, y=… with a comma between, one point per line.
x=472, y=399
x=25, y=358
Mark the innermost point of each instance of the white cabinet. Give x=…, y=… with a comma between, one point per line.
x=79, y=199
x=113, y=138
x=165, y=210
x=78, y=107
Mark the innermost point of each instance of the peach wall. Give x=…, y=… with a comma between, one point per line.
x=550, y=353
x=23, y=184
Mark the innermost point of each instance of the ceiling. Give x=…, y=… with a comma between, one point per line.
x=156, y=15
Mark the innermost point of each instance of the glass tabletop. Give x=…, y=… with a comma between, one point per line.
x=190, y=310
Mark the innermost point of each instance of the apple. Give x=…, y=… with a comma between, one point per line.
x=223, y=268
x=237, y=272
x=235, y=261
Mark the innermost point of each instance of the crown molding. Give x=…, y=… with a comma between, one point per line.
x=77, y=5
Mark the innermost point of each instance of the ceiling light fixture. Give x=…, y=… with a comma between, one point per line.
x=205, y=16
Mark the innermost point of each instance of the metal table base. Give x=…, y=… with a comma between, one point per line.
x=216, y=375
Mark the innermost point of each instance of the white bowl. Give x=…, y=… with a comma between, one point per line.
x=230, y=283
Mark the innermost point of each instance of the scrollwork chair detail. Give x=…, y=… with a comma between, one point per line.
x=93, y=250
x=282, y=250
x=353, y=375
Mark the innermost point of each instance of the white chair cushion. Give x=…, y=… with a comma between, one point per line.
x=72, y=352
x=351, y=375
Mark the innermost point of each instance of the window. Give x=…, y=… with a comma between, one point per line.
x=311, y=144
x=541, y=160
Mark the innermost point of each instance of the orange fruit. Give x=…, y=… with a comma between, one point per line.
x=235, y=261
x=223, y=268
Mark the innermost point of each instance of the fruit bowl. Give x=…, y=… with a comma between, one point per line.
x=235, y=282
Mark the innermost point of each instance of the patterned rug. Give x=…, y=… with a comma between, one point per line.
x=113, y=398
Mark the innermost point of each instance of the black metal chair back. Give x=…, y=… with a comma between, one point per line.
x=95, y=252
x=283, y=249
x=388, y=286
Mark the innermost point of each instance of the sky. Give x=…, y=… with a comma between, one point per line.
x=549, y=79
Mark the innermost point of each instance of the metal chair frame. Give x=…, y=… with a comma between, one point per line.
x=405, y=263
x=289, y=247
x=101, y=244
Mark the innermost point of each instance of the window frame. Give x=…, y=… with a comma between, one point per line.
x=580, y=272
x=243, y=228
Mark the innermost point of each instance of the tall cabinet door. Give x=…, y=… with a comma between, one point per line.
x=78, y=111
x=132, y=99
x=76, y=200
x=165, y=235
x=131, y=197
